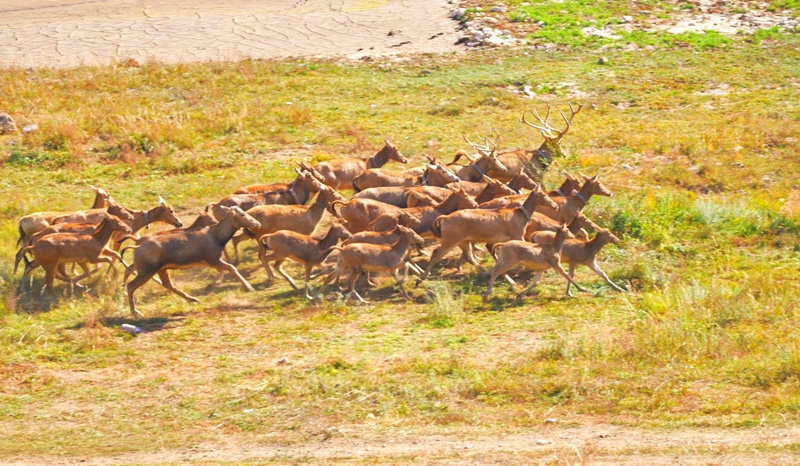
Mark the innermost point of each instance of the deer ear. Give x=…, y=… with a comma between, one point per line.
x=161, y=200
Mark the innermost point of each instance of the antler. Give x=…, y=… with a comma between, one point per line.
x=547, y=130
x=488, y=145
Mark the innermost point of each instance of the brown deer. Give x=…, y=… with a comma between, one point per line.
x=577, y=252
x=265, y=188
x=52, y=250
x=536, y=161
x=485, y=226
x=539, y=257
x=420, y=219
x=486, y=161
x=362, y=257
x=38, y=221
x=297, y=218
x=308, y=250
x=298, y=192
x=339, y=174
x=184, y=250
x=359, y=213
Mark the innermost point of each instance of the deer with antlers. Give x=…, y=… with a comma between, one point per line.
x=536, y=161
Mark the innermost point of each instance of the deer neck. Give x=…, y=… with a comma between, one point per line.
x=378, y=160
x=529, y=205
x=99, y=201
x=299, y=192
x=224, y=230
x=450, y=204
x=559, y=240
x=583, y=195
x=145, y=217
x=549, y=149
x=401, y=246
x=103, y=232
x=515, y=184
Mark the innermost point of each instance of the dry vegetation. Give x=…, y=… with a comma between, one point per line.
x=706, y=184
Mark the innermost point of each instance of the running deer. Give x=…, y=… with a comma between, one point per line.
x=52, y=250
x=420, y=219
x=577, y=252
x=485, y=226
x=160, y=254
x=339, y=174
x=265, y=188
x=359, y=213
x=484, y=163
x=308, y=250
x=362, y=257
x=536, y=161
x=539, y=257
x=298, y=192
x=38, y=221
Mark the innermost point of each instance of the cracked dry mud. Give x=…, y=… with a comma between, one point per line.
x=70, y=33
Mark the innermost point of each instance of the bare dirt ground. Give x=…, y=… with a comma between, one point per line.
x=70, y=33
x=598, y=444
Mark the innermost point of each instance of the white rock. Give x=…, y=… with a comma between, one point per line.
x=627, y=19
x=542, y=441
x=458, y=13
x=30, y=128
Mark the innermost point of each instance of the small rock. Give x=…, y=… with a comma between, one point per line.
x=132, y=329
x=542, y=441
x=627, y=19
x=528, y=91
x=766, y=179
x=30, y=128
x=738, y=164
x=283, y=361
x=7, y=124
x=458, y=13
x=602, y=61
x=491, y=20
x=498, y=9
x=551, y=420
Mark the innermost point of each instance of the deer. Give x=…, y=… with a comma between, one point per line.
x=570, y=183
x=71, y=228
x=359, y=213
x=308, y=250
x=535, y=162
x=371, y=237
x=339, y=174
x=539, y=257
x=484, y=163
x=265, y=188
x=360, y=257
x=38, y=221
x=577, y=252
x=298, y=192
x=160, y=254
x=486, y=226
x=420, y=219
x=204, y=219
x=52, y=250
x=297, y=218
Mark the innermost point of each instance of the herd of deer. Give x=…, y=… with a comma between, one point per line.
x=386, y=220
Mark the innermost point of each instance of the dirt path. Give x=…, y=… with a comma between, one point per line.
x=69, y=33
x=589, y=444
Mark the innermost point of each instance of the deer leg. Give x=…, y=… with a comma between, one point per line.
x=437, y=255
x=279, y=267
x=597, y=269
x=307, y=278
x=558, y=268
x=499, y=269
x=27, y=281
x=166, y=282
x=328, y=279
x=49, y=276
x=139, y=280
x=351, y=286
x=571, y=274
x=265, y=258
x=223, y=266
x=533, y=284
x=400, y=282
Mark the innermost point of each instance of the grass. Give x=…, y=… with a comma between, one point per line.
x=699, y=151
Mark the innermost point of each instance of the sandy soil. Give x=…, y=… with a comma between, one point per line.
x=69, y=33
x=597, y=444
